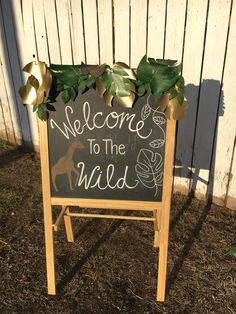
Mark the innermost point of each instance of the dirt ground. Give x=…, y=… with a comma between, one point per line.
x=112, y=266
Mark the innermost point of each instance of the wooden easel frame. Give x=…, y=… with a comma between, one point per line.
x=161, y=210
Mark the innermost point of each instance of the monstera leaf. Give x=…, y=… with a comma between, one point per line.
x=117, y=82
x=149, y=169
x=158, y=75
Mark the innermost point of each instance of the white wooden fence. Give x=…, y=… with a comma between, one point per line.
x=200, y=33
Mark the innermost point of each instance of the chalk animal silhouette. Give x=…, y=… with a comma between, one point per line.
x=66, y=165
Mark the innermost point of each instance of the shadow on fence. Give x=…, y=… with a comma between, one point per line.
x=197, y=136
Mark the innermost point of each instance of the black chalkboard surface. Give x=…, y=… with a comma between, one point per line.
x=98, y=152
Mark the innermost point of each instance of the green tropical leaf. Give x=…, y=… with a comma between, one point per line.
x=73, y=94
x=163, y=61
x=67, y=74
x=90, y=82
x=66, y=95
x=145, y=71
x=180, y=98
x=82, y=87
x=141, y=90
x=42, y=112
x=159, y=75
x=173, y=93
x=35, y=107
x=116, y=82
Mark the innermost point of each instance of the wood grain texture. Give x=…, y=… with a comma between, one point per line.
x=64, y=31
x=121, y=30
x=47, y=208
x=112, y=204
x=175, y=29
x=8, y=96
x=231, y=193
x=105, y=31
x=165, y=212
x=31, y=54
x=226, y=129
x=138, y=38
x=91, y=31
x=76, y=26
x=52, y=31
x=156, y=28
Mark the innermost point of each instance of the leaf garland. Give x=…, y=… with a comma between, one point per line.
x=156, y=76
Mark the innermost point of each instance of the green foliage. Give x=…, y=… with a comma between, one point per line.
x=159, y=76
x=116, y=82
x=70, y=80
x=154, y=76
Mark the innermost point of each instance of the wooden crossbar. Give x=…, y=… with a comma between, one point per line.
x=82, y=215
x=107, y=204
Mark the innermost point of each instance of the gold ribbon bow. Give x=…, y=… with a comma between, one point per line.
x=126, y=101
x=38, y=85
x=172, y=108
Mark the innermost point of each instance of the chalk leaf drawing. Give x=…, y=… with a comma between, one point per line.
x=149, y=169
x=157, y=143
x=158, y=119
x=145, y=112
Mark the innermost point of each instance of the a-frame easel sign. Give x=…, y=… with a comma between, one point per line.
x=98, y=156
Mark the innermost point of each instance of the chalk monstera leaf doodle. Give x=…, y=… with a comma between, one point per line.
x=149, y=169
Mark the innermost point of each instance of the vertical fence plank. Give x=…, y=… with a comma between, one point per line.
x=5, y=107
x=29, y=125
x=9, y=101
x=217, y=27
x=121, y=30
x=3, y=131
x=91, y=31
x=226, y=124
x=40, y=31
x=138, y=28
x=175, y=29
x=192, y=62
x=30, y=54
x=52, y=31
x=64, y=31
x=77, y=35
x=105, y=31
x=231, y=195
x=156, y=28
x=13, y=38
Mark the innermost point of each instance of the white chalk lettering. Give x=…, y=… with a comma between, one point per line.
x=94, y=180
x=99, y=120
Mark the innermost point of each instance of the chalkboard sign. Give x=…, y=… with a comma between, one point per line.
x=101, y=152
x=97, y=156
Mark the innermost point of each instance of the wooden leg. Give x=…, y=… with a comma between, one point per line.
x=156, y=214
x=49, y=245
x=68, y=226
x=162, y=268
x=47, y=208
x=165, y=211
